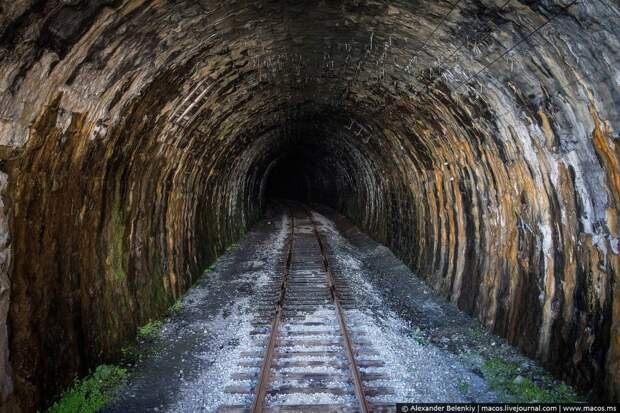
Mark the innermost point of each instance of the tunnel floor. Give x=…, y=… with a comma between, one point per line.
x=432, y=351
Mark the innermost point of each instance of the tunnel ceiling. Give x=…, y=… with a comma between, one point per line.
x=476, y=138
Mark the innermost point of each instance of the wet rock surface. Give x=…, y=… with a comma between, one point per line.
x=477, y=140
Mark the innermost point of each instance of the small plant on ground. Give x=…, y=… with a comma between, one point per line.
x=476, y=333
x=175, y=308
x=91, y=393
x=463, y=387
x=130, y=355
x=150, y=330
x=232, y=247
x=419, y=337
x=506, y=377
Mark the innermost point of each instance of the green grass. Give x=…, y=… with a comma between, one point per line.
x=475, y=332
x=129, y=354
x=175, y=308
x=423, y=341
x=92, y=392
x=232, y=247
x=151, y=330
x=419, y=337
x=501, y=376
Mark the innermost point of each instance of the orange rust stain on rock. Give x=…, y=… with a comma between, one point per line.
x=609, y=153
x=547, y=130
x=570, y=267
x=612, y=220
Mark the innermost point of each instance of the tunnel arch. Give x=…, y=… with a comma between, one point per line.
x=476, y=139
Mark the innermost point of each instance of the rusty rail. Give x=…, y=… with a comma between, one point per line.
x=265, y=371
x=357, y=378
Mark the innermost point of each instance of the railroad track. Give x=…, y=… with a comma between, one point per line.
x=307, y=358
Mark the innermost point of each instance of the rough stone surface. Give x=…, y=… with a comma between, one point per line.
x=6, y=382
x=478, y=141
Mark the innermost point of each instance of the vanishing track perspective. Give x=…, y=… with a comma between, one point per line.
x=308, y=356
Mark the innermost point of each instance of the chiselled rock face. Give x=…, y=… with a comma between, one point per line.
x=477, y=139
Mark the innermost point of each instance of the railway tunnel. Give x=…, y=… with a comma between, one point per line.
x=476, y=139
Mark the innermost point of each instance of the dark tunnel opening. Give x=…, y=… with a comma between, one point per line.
x=307, y=170
x=289, y=180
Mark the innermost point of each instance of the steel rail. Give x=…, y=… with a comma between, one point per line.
x=265, y=372
x=357, y=378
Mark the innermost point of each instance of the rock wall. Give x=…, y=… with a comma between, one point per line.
x=478, y=140
x=6, y=382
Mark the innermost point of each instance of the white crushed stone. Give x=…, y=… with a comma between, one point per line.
x=206, y=392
